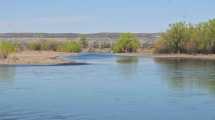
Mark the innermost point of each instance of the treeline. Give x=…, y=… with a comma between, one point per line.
x=187, y=38
x=127, y=42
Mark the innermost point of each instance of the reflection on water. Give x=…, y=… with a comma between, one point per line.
x=90, y=57
x=127, y=65
x=185, y=73
x=127, y=59
x=7, y=73
x=7, y=77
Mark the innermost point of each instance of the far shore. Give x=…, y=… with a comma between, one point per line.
x=36, y=58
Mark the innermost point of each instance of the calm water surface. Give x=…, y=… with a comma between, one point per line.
x=111, y=88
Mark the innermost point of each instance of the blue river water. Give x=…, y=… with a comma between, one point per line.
x=110, y=88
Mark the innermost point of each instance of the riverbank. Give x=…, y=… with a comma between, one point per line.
x=186, y=56
x=172, y=56
x=54, y=58
x=36, y=58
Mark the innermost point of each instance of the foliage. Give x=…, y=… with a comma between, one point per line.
x=69, y=46
x=6, y=48
x=126, y=43
x=186, y=38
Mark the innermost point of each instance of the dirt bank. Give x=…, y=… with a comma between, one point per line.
x=35, y=57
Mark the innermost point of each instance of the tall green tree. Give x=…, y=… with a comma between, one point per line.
x=177, y=36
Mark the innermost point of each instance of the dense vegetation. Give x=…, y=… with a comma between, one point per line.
x=187, y=38
x=127, y=42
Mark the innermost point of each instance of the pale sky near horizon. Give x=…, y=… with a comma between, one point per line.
x=91, y=16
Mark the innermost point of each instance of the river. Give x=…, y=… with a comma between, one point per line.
x=110, y=88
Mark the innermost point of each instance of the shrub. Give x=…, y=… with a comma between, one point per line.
x=6, y=48
x=34, y=45
x=47, y=45
x=50, y=45
x=126, y=43
x=69, y=46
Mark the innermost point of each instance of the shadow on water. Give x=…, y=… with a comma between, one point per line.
x=188, y=73
x=127, y=65
x=46, y=65
x=7, y=73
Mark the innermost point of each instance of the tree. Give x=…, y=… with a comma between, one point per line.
x=176, y=37
x=126, y=43
x=211, y=35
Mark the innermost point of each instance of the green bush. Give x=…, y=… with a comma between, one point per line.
x=126, y=43
x=6, y=48
x=69, y=46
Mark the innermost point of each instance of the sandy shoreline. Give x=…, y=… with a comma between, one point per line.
x=36, y=58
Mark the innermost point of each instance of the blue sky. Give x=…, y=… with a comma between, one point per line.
x=91, y=16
